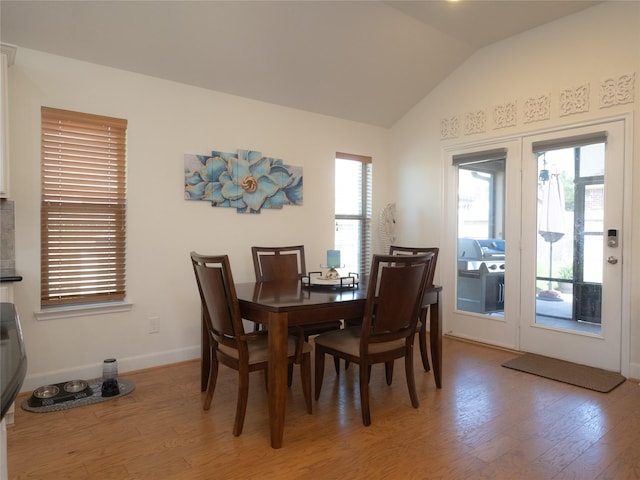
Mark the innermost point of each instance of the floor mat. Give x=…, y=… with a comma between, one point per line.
x=572, y=373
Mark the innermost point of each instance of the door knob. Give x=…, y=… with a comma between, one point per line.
x=612, y=260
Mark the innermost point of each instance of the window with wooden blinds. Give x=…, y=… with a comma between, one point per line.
x=353, y=200
x=83, y=211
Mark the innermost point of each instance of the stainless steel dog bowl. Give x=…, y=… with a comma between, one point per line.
x=46, y=391
x=75, y=386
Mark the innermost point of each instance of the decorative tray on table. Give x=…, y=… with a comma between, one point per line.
x=319, y=279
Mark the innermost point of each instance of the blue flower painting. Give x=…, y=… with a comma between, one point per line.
x=245, y=180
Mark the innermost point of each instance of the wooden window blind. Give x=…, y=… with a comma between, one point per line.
x=83, y=211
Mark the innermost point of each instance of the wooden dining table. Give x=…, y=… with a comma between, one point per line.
x=280, y=305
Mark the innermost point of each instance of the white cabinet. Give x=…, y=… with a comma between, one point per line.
x=7, y=58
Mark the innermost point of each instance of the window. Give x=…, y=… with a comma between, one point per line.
x=353, y=211
x=481, y=226
x=571, y=228
x=83, y=208
x=481, y=199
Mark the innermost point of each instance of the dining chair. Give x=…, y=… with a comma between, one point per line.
x=230, y=345
x=286, y=263
x=421, y=328
x=394, y=296
x=422, y=319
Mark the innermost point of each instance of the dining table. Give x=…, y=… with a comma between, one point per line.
x=283, y=304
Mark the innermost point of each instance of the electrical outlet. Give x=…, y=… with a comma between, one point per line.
x=154, y=324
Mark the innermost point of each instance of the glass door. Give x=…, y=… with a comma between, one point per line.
x=483, y=210
x=572, y=198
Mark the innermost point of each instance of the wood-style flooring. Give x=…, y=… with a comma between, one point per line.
x=487, y=422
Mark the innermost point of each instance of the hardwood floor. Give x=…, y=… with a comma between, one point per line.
x=487, y=422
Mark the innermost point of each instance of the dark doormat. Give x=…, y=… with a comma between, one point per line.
x=125, y=386
x=572, y=373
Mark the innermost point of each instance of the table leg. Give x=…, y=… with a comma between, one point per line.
x=435, y=340
x=278, y=333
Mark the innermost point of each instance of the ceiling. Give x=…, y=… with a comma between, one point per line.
x=366, y=61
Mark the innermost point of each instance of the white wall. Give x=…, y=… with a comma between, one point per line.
x=166, y=120
x=586, y=48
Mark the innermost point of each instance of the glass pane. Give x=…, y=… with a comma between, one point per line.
x=592, y=160
x=348, y=187
x=570, y=238
x=481, y=246
x=473, y=204
x=347, y=240
x=593, y=248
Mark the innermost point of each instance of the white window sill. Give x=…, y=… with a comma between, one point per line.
x=55, y=313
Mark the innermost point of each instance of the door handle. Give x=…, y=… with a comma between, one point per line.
x=612, y=260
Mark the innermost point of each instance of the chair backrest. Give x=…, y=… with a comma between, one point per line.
x=220, y=306
x=394, y=296
x=396, y=250
x=278, y=263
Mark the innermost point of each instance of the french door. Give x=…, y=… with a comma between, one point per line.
x=572, y=190
x=483, y=204
x=535, y=229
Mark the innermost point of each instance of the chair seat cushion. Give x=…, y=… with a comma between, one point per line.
x=259, y=349
x=348, y=341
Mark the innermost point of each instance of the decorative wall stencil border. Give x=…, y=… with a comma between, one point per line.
x=537, y=108
x=449, y=128
x=245, y=180
x=613, y=91
x=574, y=100
x=475, y=122
x=617, y=91
x=505, y=115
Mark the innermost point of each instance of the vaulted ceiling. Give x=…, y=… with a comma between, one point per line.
x=367, y=61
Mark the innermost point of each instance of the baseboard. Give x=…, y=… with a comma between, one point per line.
x=634, y=372
x=94, y=370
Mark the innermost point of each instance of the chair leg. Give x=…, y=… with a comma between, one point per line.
x=365, y=373
x=336, y=363
x=243, y=396
x=388, y=371
x=422, y=339
x=319, y=373
x=411, y=381
x=211, y=384
x=290, y=375
x=305, y=376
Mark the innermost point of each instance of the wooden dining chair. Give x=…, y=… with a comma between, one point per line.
x=422, y=320
x=230, y=345
x=394, y=296
x=278, y=263
x=286, y=263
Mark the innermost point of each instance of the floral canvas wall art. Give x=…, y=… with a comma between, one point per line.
x=245, y=180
